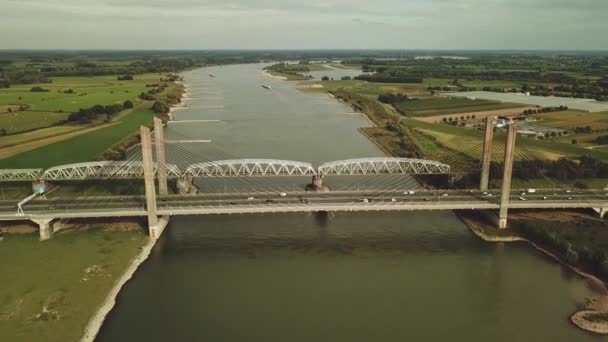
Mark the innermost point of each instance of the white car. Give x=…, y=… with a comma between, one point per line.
x=283, y=194
x=365, y=200
x=522, y=199
x=489, y=195
x=250, y=198
x=444, y=195
x=393, y=200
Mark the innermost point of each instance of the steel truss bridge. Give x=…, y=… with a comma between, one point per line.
x=227, y=168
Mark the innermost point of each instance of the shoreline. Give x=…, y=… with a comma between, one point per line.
x=95, y=323
x=578, y=317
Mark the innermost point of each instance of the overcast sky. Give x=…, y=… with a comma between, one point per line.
x=304, y=24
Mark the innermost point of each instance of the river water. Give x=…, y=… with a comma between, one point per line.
x=345, y=277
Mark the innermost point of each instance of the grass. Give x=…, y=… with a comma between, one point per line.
x=443, y=105
x=289, y=77
x=88, y=91
x=16, y=122
x=469, y=142
x=37, y=275
x=572, y=119
x=81, y=148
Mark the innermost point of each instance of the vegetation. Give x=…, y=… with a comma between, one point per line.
x=580, y=241
x=48, y=294
x=83, y=147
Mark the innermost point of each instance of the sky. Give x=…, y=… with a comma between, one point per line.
x=304, y=24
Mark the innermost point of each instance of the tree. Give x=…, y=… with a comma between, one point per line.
x=3, y=131
x=127, y=104
x=160, y=107
x=346, y=78
x=38, y=89
x=324, y=78
x=574, y=142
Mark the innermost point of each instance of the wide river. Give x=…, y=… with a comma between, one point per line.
x=345, y=277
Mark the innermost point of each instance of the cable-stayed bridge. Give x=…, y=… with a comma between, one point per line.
x=382, y=184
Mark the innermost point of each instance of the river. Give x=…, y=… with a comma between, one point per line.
x=345, y=277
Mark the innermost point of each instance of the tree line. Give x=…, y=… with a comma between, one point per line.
x=88, y=115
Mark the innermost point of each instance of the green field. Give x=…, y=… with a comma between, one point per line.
x=443, y=105
x=88, y=91
x=572, y=119
x=470, y=142
x=80, y=148
x=16, y=122
x=50, y=289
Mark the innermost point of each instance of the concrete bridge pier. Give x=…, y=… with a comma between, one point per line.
x=505, y=191
x=157, y=230
x=186, y=186
x=45, y=228
x=601, y=211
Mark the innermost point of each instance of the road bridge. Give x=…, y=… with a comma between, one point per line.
x=155, y=204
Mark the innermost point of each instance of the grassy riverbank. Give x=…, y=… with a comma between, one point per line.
x=50, y=289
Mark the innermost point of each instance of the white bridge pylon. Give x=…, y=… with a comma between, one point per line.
x=250, y=167
x=101, y=170
x=371, y=166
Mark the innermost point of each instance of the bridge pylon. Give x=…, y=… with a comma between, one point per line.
x=505, y=191
x=148, y=165
x=487, y=154
x=161, y=161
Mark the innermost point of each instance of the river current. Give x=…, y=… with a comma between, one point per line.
x=328, y=277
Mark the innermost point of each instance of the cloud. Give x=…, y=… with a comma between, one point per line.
x=440, y=24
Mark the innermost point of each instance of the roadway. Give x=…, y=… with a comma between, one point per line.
x=269, y=202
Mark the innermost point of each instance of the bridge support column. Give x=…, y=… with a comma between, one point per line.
x=157, y=230
x=505, y=191
x=601, y=211
x=487, y=155
x=45, y=228
x=161, y=162
x=146, y=147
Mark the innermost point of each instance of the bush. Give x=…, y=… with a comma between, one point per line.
x=38, y=89
x=125, y=78
x=128, y=104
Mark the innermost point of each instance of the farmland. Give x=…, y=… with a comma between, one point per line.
x=83, y=147
x=424, y=107
x=571, y=119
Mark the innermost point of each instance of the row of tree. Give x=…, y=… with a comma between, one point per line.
x=87, y=115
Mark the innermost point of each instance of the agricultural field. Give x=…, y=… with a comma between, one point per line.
x=87, y=92
x=470, y=143
x=23, y=121
x=424, y=107
x=82, y=147
x=571, y=119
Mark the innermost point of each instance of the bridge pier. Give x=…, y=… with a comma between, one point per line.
x=505, y=191
x=186, y=186
x=601, y=211
x=45, y=228
x=487, y=155
x=157, y=230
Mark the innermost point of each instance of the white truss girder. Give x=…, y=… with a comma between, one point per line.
x=103, y=170
x=371, y=166
x=16, y=175
x=250, y=167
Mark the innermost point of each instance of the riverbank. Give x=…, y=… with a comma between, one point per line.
x=588, y=318
x=95, y=323
x=47, y=293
